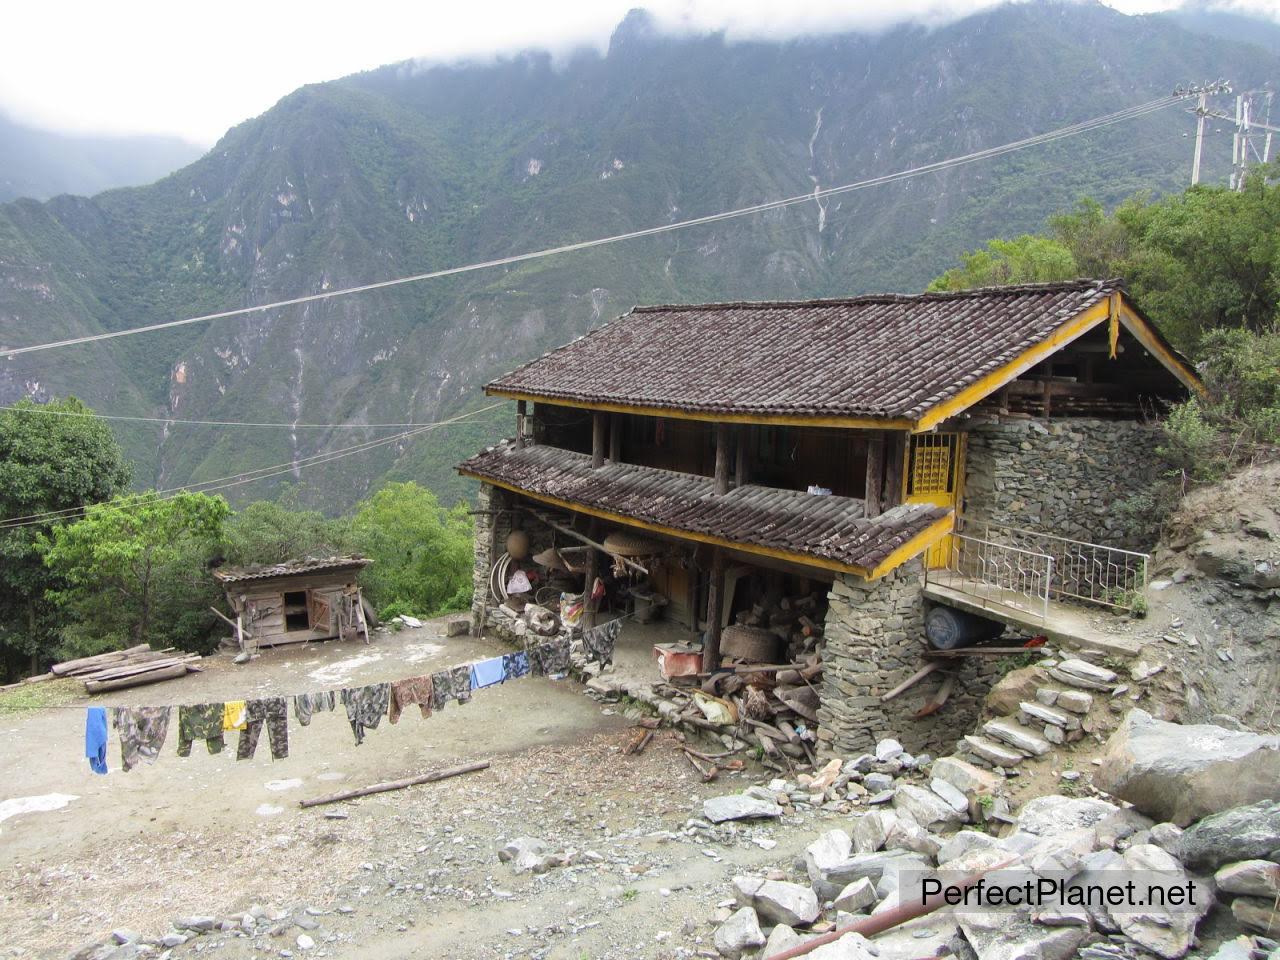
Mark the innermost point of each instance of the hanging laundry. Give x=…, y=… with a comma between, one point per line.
x=461, y=678
x=233, y=715
x=515, y=665
x=142, y=731
x=306, y=704
x=366, y=706
x=274, y=714
x=95, y=739
x=412, y=690
x=598, y=642
x=550, y=659
x=486, y=673
x=202, y=721
x=441, y=689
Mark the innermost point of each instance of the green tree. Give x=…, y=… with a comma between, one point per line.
x=134, y=571
x=268, y=531
x=422, y=553
x=56, y=457
x=1026, y=259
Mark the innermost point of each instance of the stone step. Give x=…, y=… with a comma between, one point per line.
x=1076, y=701
x=1084, y=675
x=1017, y=736
x=992, y=752
x=1039, y=715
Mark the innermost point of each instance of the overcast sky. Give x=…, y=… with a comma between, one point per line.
x=193, y=70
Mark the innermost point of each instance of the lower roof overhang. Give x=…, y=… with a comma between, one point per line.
x=829, y=533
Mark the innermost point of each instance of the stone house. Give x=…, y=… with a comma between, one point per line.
x=886, y=453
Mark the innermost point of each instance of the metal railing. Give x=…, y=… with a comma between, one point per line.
x=1089, y=572
x=997, y=573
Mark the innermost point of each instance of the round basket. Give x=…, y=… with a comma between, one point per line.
x=622, y=544
x=750, y=643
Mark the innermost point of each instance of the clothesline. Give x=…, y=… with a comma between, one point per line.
x=142, y=731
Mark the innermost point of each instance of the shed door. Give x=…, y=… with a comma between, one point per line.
x=935, y=474
x=320, y=607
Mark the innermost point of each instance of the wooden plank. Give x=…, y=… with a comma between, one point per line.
x=875, y=474
x=431, y=777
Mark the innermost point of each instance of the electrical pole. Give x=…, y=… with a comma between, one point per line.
x=1201, y=106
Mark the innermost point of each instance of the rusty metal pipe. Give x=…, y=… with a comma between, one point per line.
x=870, y=926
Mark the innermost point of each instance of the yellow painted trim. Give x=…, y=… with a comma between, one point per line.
x=918, y=544
x=1155, y=346
x=942, y=527
x=1074, y=328
x=795, y=420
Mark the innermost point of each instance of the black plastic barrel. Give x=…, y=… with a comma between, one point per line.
x=947, y=629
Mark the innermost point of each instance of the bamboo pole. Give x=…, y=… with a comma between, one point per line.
x=431, y=777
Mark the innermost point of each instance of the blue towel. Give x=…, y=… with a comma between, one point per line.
x=486, y=673
x=95, y=739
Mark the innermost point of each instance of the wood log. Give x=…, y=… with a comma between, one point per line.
x=84, y=663
x=138, y=680
x=638, y=742
x=115, y=673
x=431, y=777
x=911, y=681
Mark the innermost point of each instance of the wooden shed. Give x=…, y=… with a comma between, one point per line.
x=296, y=601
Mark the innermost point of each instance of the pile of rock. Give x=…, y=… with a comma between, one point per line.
x=531, y=855
x=1228, y=856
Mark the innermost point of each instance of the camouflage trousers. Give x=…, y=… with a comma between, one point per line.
x=142, y=731
x=305, y=704
x=366, y=706
x=274, y=714
x=203, y=721
x=451, y=684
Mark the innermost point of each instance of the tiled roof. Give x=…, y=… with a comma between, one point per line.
x=880, y=357
x=826, y=528
x=290, y=568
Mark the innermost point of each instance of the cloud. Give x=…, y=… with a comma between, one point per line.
x=194, y=70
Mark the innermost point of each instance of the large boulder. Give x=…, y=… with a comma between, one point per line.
x=823, y=857
x=740, y=933
x=1014, y=687
x=1182, y=773
x=1055, y=814
x=1248, y=832
x=777, y=901
x=1004, y=935
x=1166, y=931
x=1254, y=878
x=1255, y=913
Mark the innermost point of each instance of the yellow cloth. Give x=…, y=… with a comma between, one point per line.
x=233, y=715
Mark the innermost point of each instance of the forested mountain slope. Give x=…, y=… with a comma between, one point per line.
x=406, y=169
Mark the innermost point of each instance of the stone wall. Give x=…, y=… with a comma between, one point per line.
x=874, y=641
x=1076, y=478
x=497, y=515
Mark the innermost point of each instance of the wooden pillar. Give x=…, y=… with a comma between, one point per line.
x=593, y=571
x=740, y=464
x=521, y=411
x=597, y=440
x=615, y=438
x=895, y=460
x=875, y=473
x=715, y=598
x=722, y=458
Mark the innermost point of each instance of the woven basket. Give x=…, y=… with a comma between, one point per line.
x=622, y=544
x=750, y=643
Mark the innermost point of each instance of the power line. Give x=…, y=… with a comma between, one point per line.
x=45, y=411
x=935, y=167
x=250, y=476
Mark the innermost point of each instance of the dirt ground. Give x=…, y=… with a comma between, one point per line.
x=414, y=872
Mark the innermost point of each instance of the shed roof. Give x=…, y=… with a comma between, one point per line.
x=888, y=358
x=826, y=531
x=290, y=568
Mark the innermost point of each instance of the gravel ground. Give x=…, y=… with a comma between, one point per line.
x=409, y=873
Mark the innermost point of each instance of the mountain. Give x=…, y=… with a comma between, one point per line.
x=41, y=164
x=411, y=168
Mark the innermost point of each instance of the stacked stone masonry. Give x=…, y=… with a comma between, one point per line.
x=1077, y=478
x=874, y=641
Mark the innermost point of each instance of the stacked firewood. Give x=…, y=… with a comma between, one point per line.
x=796, y=622
x=121, y=669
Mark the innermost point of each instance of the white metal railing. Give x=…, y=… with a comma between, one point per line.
x=1090, y=572
x=997, y=573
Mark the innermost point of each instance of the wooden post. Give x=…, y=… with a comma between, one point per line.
x=722, y=458
x=875, y=474
x=615, y=438
x=597, y=440
x=895, y=461
x=715, y=592
x=593, y=571
x=521, y=409
x=740, y=464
